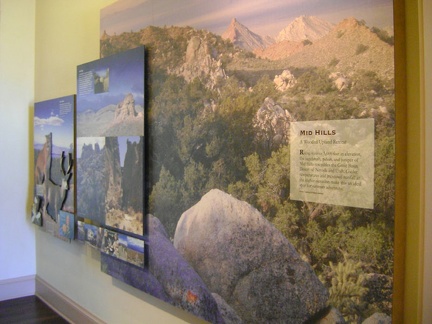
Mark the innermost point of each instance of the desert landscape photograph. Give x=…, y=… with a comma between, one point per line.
x=225, y=80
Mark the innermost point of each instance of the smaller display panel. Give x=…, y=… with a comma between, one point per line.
x=54, y=155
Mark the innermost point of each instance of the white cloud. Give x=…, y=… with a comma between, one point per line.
x=51, y=121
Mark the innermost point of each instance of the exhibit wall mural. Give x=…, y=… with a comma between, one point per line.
x=271, y=129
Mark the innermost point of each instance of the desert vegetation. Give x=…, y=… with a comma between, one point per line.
x=203, y=138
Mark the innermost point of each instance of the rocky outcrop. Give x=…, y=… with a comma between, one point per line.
x=125, y=109
x=340, y=81
x=248, y=262
x=200, y=64
x=133, y=175
x=91, y=183
x=127, y=120
x=114, y=174
x=272, y=124
x=168, y=276
x=332, y=317
x=378, y=318
x=284, y=81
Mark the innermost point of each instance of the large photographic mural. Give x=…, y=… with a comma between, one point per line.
x=241, y=230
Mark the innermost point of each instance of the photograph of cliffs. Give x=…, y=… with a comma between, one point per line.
x=225, y=80
x=110, y=178
x=110, y=99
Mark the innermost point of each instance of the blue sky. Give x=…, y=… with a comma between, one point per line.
x=261, y=16
x=49, y=117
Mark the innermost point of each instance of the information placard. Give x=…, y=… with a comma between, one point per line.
x=332, y=162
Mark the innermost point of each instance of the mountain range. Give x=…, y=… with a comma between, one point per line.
x=310, y=41
x=303, y=28
x=244, y=38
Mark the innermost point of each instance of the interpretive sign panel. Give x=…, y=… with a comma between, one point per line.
x=332, y=162
x=54, y=170
x=110, y=154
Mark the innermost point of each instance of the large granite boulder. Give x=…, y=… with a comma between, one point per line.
x=179, y=280
x=248, y=262
x=168, y=276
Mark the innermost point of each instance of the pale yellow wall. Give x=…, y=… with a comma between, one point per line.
x=17, y=251
x=67, y=34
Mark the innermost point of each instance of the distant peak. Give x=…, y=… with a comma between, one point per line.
x=305, y=28
x=350, y=22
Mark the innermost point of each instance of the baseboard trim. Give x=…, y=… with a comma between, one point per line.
x=17, y=287
x=63, y=305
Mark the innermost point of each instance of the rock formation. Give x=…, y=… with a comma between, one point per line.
x=200, y=64
x=114, y=174
x=248, y=262
x=133, y=176
x=284, y=81
x=340, y=81
x=168, y=276
x=91, y=183
x=378, y=318
x=127, y=121
x=125, y=109
x=333, y=316
x=272, y=125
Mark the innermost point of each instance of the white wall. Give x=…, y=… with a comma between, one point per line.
x=17, y=43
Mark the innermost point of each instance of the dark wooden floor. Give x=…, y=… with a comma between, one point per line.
x=28, y=310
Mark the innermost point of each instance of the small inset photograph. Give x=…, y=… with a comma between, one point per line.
x=92, y=235
x=110, y=243
x=101, y=81
x=81, y=231
x=66, y=225
x=135, y=251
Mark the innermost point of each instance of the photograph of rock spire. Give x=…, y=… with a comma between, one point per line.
x=110, y=100
x=110, y=141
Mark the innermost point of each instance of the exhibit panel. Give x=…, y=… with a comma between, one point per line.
x=110, y=155
x=54, y=172
x=271, y=158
